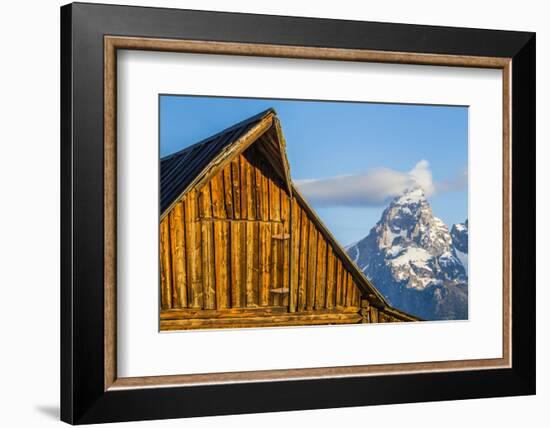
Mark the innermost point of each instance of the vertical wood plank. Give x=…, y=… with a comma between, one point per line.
x=353, y=293
x=336, y=281
x=303, y=269
x=294, y=254
x=285, y=247
x=329, y=303
x=228, y=192
x=274, y=200
x=349, y=291
x=312, y=266
x=321, y=272
x=205, y=202
x=256, y=262
x=251, y=286
x=208, y=271
x=339, y=285
x=265, y=258
x=193, y=251
x=235, y=265
x=227, y=259
x=242, y=263
x=251, y=186
x=373, y=314
x=205, y=206
x=218, y=196
x=274, y=263
x=177, y=241
x=236, y=178
x=356, y=297
x=244, y=186
x=335, y=292
x=185, y=285
x=353, y=297
x=165, y=265
x=259, y=191
x=344, y=286
x=262, y=254
x=221, y=250
x=264, y=193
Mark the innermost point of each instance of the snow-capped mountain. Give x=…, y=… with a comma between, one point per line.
x=413, y=259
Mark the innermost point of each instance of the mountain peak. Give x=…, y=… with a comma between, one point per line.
x=409, y=217
x=412, y=195
x=414, y=261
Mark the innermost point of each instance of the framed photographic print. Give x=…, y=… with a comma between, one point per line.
x=265, y=213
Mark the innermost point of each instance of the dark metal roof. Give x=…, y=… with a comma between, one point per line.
x=179, y=169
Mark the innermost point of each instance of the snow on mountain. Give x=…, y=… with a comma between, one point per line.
x=415, y=261
x=459, y=234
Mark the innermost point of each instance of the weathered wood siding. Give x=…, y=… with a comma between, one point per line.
x=241, y=252
x=319, y=277
x=228, y=245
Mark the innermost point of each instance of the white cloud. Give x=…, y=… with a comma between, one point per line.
x=422, y=176
x=374, y=187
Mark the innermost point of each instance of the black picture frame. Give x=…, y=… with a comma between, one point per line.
x=83, y=398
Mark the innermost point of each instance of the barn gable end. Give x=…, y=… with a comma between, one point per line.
x=240, y=247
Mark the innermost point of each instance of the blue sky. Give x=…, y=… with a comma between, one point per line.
x=372, y=142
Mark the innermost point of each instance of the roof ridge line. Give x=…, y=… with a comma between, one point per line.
x=210, y=138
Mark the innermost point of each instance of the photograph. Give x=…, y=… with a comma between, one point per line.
x=291, y=212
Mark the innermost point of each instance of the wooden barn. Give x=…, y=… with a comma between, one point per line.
x=240, y=247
